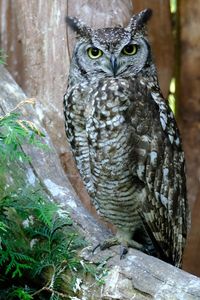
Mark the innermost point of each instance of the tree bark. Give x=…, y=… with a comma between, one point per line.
x=192, y=257
x=138, y=276
x=160, y=34
x=189, y=103
x=33, y=37
x=189, y=115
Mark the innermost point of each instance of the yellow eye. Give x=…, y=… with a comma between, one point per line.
x=94, y=52
x=130, y=49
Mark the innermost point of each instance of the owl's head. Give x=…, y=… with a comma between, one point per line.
x=110, y=52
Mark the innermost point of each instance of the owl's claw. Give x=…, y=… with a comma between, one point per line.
x=95, y=248
x=123, y=251
x=113, y=241
x=106, y=244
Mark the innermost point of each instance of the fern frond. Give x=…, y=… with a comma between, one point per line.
x=20, y=293
x=4, y=256
x=3, y=227
x=60, y=222
x=55, y=296
x=42, y=265
x=19, y=268
x=23, y=257
x=41, y=232
x=45, y=212
x=2, y=57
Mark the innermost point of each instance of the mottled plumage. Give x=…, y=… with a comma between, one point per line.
x=125, y=139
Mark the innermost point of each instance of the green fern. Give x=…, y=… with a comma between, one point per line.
x=20, y=293
x=38, y=243
x=3, y=227
x=52, y=252
x=14, y=132
x=2, y=57
x=46, y=248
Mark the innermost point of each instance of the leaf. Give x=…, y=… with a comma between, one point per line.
x=3, y=226
x=23, y=257
x=19, y=268
x=4, y=256
x=14, y=132
x=21, y=293
x=54, y=296
x=42, y=233
x=2, y=57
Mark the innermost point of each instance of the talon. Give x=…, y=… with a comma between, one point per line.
x=145, y=250
x=109, y=243
x=95, y=248
x=123, y=251
x=124, y=244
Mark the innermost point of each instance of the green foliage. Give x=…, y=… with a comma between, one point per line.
x=173, y=6
x=20, y=293
x=38, y=244
x=98, y=272
x=37, y=239
x=15, y=131
x=2, y=57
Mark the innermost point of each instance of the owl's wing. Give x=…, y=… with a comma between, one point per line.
x=75, y=112
x=165, y=211
x=68, y=110
x=74, y=126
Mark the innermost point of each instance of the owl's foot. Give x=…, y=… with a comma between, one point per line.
x=124, y=245
x=106, y=244
x=113, y=241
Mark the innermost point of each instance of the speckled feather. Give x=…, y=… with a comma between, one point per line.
x=125, y=141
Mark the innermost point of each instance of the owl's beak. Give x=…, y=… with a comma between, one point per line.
x=113, y=61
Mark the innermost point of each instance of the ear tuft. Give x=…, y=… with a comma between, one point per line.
x=139, y=20
x=144, y=16
x=78, y=26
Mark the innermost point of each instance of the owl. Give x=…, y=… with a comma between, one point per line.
x=125, y=140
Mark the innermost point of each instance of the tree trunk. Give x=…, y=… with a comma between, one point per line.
x=192, y=256
x=189, y=103
x=160, y=33
x=33, y=35
x=189, y=115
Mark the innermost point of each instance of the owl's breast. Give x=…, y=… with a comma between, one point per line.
x=116, y=189
x=117, y=121
x=111, y=130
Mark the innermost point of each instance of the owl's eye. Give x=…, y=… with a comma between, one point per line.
x=94, y=52
x=130, y=49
